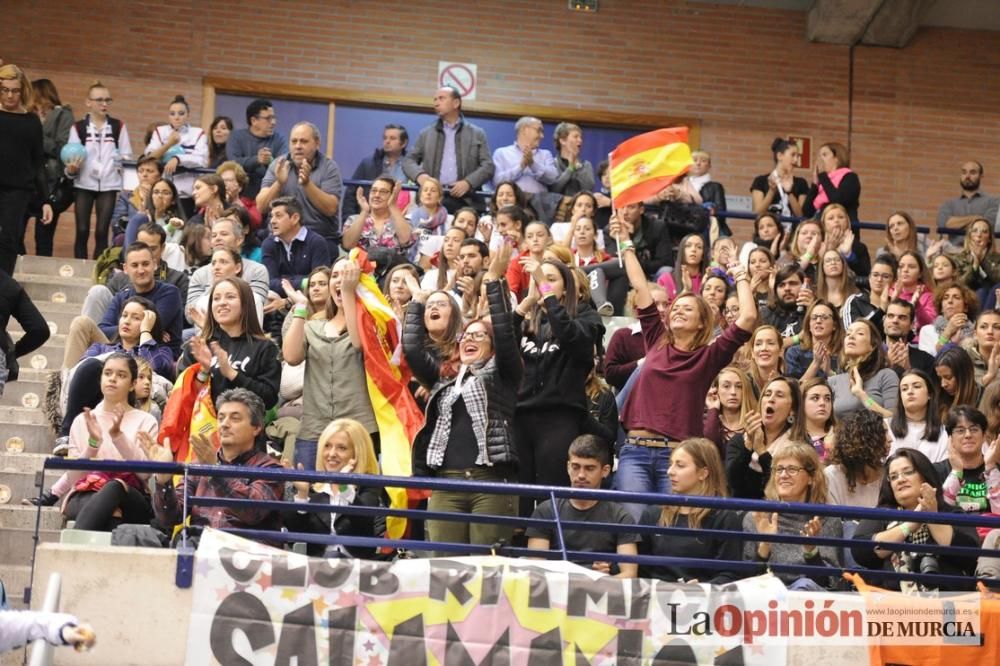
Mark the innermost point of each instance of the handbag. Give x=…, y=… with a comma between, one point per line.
x=61, y=195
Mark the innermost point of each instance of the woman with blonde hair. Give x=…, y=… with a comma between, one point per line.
x=765, y=358
x=727, y=405
x=344, y=447
x=796, y=476
x=106, y=141
x=24, y=163
x=695, y=469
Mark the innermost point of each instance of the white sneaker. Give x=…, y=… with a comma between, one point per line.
x=606, y=309
x=62, y=446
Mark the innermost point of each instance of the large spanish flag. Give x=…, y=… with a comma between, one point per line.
x=645, y=164
x=396, y=412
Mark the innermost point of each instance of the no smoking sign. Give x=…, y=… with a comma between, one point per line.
x=459, y=75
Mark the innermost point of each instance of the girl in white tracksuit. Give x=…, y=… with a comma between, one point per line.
x=98, y=178
x=194, y=141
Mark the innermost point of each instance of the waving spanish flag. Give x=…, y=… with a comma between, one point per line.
x=645, y=164
x=396, y=412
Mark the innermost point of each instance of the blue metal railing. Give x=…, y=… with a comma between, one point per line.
x=558, y=547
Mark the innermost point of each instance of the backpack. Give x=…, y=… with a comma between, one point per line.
x=109, y=260
x=116, y=129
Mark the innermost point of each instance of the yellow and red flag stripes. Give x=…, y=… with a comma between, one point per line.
x=645, y=164
x=396, y=412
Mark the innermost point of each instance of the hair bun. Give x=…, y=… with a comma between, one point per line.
x=778, y=144
x=179, y=99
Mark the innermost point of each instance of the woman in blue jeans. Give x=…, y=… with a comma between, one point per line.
x=667, y=400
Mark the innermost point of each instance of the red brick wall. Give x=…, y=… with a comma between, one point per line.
x=747, y=73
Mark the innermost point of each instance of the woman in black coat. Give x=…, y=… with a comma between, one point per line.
x=468, y=434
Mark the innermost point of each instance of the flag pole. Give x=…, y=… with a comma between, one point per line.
x=614, y=214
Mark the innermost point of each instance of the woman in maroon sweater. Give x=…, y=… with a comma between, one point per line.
x=668, y=399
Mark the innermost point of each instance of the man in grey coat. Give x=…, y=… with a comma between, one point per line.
x=452, y=150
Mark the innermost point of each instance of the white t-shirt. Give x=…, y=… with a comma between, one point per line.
x=864, y=495
x=935, y=451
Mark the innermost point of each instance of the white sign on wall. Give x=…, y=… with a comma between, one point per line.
x=459, y=75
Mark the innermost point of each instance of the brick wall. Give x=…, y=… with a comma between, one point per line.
x=747, y=73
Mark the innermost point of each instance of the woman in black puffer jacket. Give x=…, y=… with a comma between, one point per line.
x=468, y=433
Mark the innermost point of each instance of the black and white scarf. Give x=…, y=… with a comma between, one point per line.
x=469, y=387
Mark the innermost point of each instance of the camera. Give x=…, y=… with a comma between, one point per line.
x=929, y=565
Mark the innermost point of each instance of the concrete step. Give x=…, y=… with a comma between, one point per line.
x=24, y=517
x=49, y=356
x=26, y=438
x=61, y=266
x=21, y=484
x=29, y=374
x=17, y=415
x=23, y=393
x=16, y=577
x=18, y=544
x=51, y=290
x=58, y=315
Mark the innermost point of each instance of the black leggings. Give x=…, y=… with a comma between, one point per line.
x=13, y=205
x=83, y=205
x=84, y=391
x=618, y=284
x=543, y=437
x=95, y=510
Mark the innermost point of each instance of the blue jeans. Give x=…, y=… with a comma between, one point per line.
x=642, y=469
x=305, y=453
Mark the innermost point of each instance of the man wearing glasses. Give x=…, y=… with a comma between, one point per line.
x=22, y=169
x=255, y=147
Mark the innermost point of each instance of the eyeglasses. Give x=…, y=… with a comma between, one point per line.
x=971, y=430
x=787, y=470
x=476, y=336
x=880, y=276
x=101, y=100
x=820, y=316
x=896, y=476
x=10, y=91
x=731, y=311
x=437, y=305
x=383, y=192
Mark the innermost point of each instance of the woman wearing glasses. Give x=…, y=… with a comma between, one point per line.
x=817, y=353
x=796, y=476
x=466, y=434
x=24, y=162
x=971, y=466
x=912, y=484
x=98, y=176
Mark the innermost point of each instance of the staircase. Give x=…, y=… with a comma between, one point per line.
x=57, y=286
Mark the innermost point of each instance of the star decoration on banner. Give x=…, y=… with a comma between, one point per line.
x=203, y=566
x=345, y=600
x=264, y=580
x=289, y=594
x=369, y=645
x=222, y=592
x=320, y=606
x=375, y=660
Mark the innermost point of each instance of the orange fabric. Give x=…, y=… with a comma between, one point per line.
x=942, y=655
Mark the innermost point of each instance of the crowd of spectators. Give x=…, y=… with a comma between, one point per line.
x=800, y=367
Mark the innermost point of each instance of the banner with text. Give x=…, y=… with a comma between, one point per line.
x=253, y=604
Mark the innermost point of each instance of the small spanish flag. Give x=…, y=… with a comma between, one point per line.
x=645, y=164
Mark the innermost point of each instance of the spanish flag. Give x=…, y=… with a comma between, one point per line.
x=645, y=164
x=396, y=412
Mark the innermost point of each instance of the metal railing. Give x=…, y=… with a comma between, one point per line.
x=558, y=549
x=726, y=215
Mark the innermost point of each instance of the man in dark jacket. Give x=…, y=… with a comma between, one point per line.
x=386, y=161
x=454, y=151
x=292, y=251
